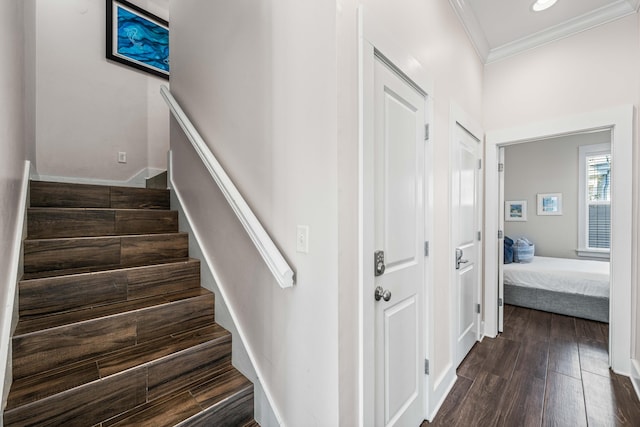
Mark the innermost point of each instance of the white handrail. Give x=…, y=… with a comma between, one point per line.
x=270, y=253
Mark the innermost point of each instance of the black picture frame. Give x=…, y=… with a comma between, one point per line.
x=137, y=38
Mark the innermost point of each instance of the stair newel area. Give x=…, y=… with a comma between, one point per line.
x=115, y=328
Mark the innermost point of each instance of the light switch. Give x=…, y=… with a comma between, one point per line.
x=122, y=157
x=302, y=239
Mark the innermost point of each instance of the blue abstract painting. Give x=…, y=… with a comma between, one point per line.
x=142, y=41
x=137, y=38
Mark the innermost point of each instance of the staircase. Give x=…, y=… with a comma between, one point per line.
x=114, y=328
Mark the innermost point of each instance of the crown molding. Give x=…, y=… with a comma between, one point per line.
x=581, y=23
x=603, y=15
x=472, y=28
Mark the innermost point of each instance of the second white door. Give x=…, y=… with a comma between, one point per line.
x=466, y=238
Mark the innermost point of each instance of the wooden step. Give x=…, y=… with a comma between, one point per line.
x=156, y=373
x=77, y=291
x=223, y=399
x=48, y=223
x=82, y=252
x=47, y=342
x=66, y=195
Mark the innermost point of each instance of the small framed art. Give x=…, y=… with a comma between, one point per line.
x=550, y=204
x=137, y=38
x=515, y=210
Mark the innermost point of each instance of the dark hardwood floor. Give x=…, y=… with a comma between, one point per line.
x=543, y=370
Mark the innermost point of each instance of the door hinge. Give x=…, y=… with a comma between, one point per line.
x=426, y=248
x=479, y=236
x=500, y=234
x=478, y=308
x=479, y=163
x=499, y=302
x=426, y=132
x=426, y=366
x=500, y=167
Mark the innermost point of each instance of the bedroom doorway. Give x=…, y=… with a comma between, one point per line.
x=620, y=121
x=569, y=274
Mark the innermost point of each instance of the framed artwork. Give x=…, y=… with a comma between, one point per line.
x=550, y=204
x=137, y=38
x=515, y=210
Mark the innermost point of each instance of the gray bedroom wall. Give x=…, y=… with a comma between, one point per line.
x=547, y=166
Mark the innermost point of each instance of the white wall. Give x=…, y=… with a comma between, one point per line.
x=548, y=166
x=12, y=163
x=87, y=108
x=259, y=81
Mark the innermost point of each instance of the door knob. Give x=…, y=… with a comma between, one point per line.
x=459, y=259
x=381, y=293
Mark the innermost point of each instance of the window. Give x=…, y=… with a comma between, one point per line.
x=594, y=217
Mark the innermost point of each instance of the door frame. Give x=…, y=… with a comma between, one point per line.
x=372, y=38
x=620, y=120
x=457, y=116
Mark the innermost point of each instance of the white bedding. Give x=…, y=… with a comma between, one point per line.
x=572, y=276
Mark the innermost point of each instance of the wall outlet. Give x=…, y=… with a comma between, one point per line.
x=122, y=157
x=302, y=239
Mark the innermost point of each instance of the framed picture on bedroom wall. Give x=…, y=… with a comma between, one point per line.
x=515, y=210
x=550, y=204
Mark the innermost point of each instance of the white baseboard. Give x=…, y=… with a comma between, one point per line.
x=442, y=388
x=10, y=309
x=635, y=376
x=137, y=180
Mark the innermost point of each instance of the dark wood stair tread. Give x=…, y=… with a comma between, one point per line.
x=100, y=268
x=39, y=386
x=49, y=223
x=192, y=402
x=40, y=323
x=57, y=194
x=49, y=295
x=80, y=252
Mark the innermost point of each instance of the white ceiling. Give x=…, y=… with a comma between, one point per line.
x=501, y=28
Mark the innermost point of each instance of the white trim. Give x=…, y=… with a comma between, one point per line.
x=620, y=119
x=137, y=180
x=270, y=254
x=223, y=294
x=589, y=20
x=372, y=37
x=585, y=151
x=603, y=15
x=10, y=309
x=635, y=376
x=473, y=28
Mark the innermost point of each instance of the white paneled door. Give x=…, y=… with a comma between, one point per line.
x=399, y=139
x=465, y=226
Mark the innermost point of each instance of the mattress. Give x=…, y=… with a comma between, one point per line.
x=561, y=275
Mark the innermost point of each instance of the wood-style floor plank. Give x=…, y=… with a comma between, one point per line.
x=524, y=401
x=564, y=401
x=533, y=358
x=485, y=395
x=564, y=357
x=449, y=411
x=594, y=356
x=503, y=358
x=472, y=364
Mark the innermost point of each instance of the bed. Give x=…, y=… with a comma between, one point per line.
x=572, y=287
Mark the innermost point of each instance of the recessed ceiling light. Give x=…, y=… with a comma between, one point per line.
x=541, y=5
